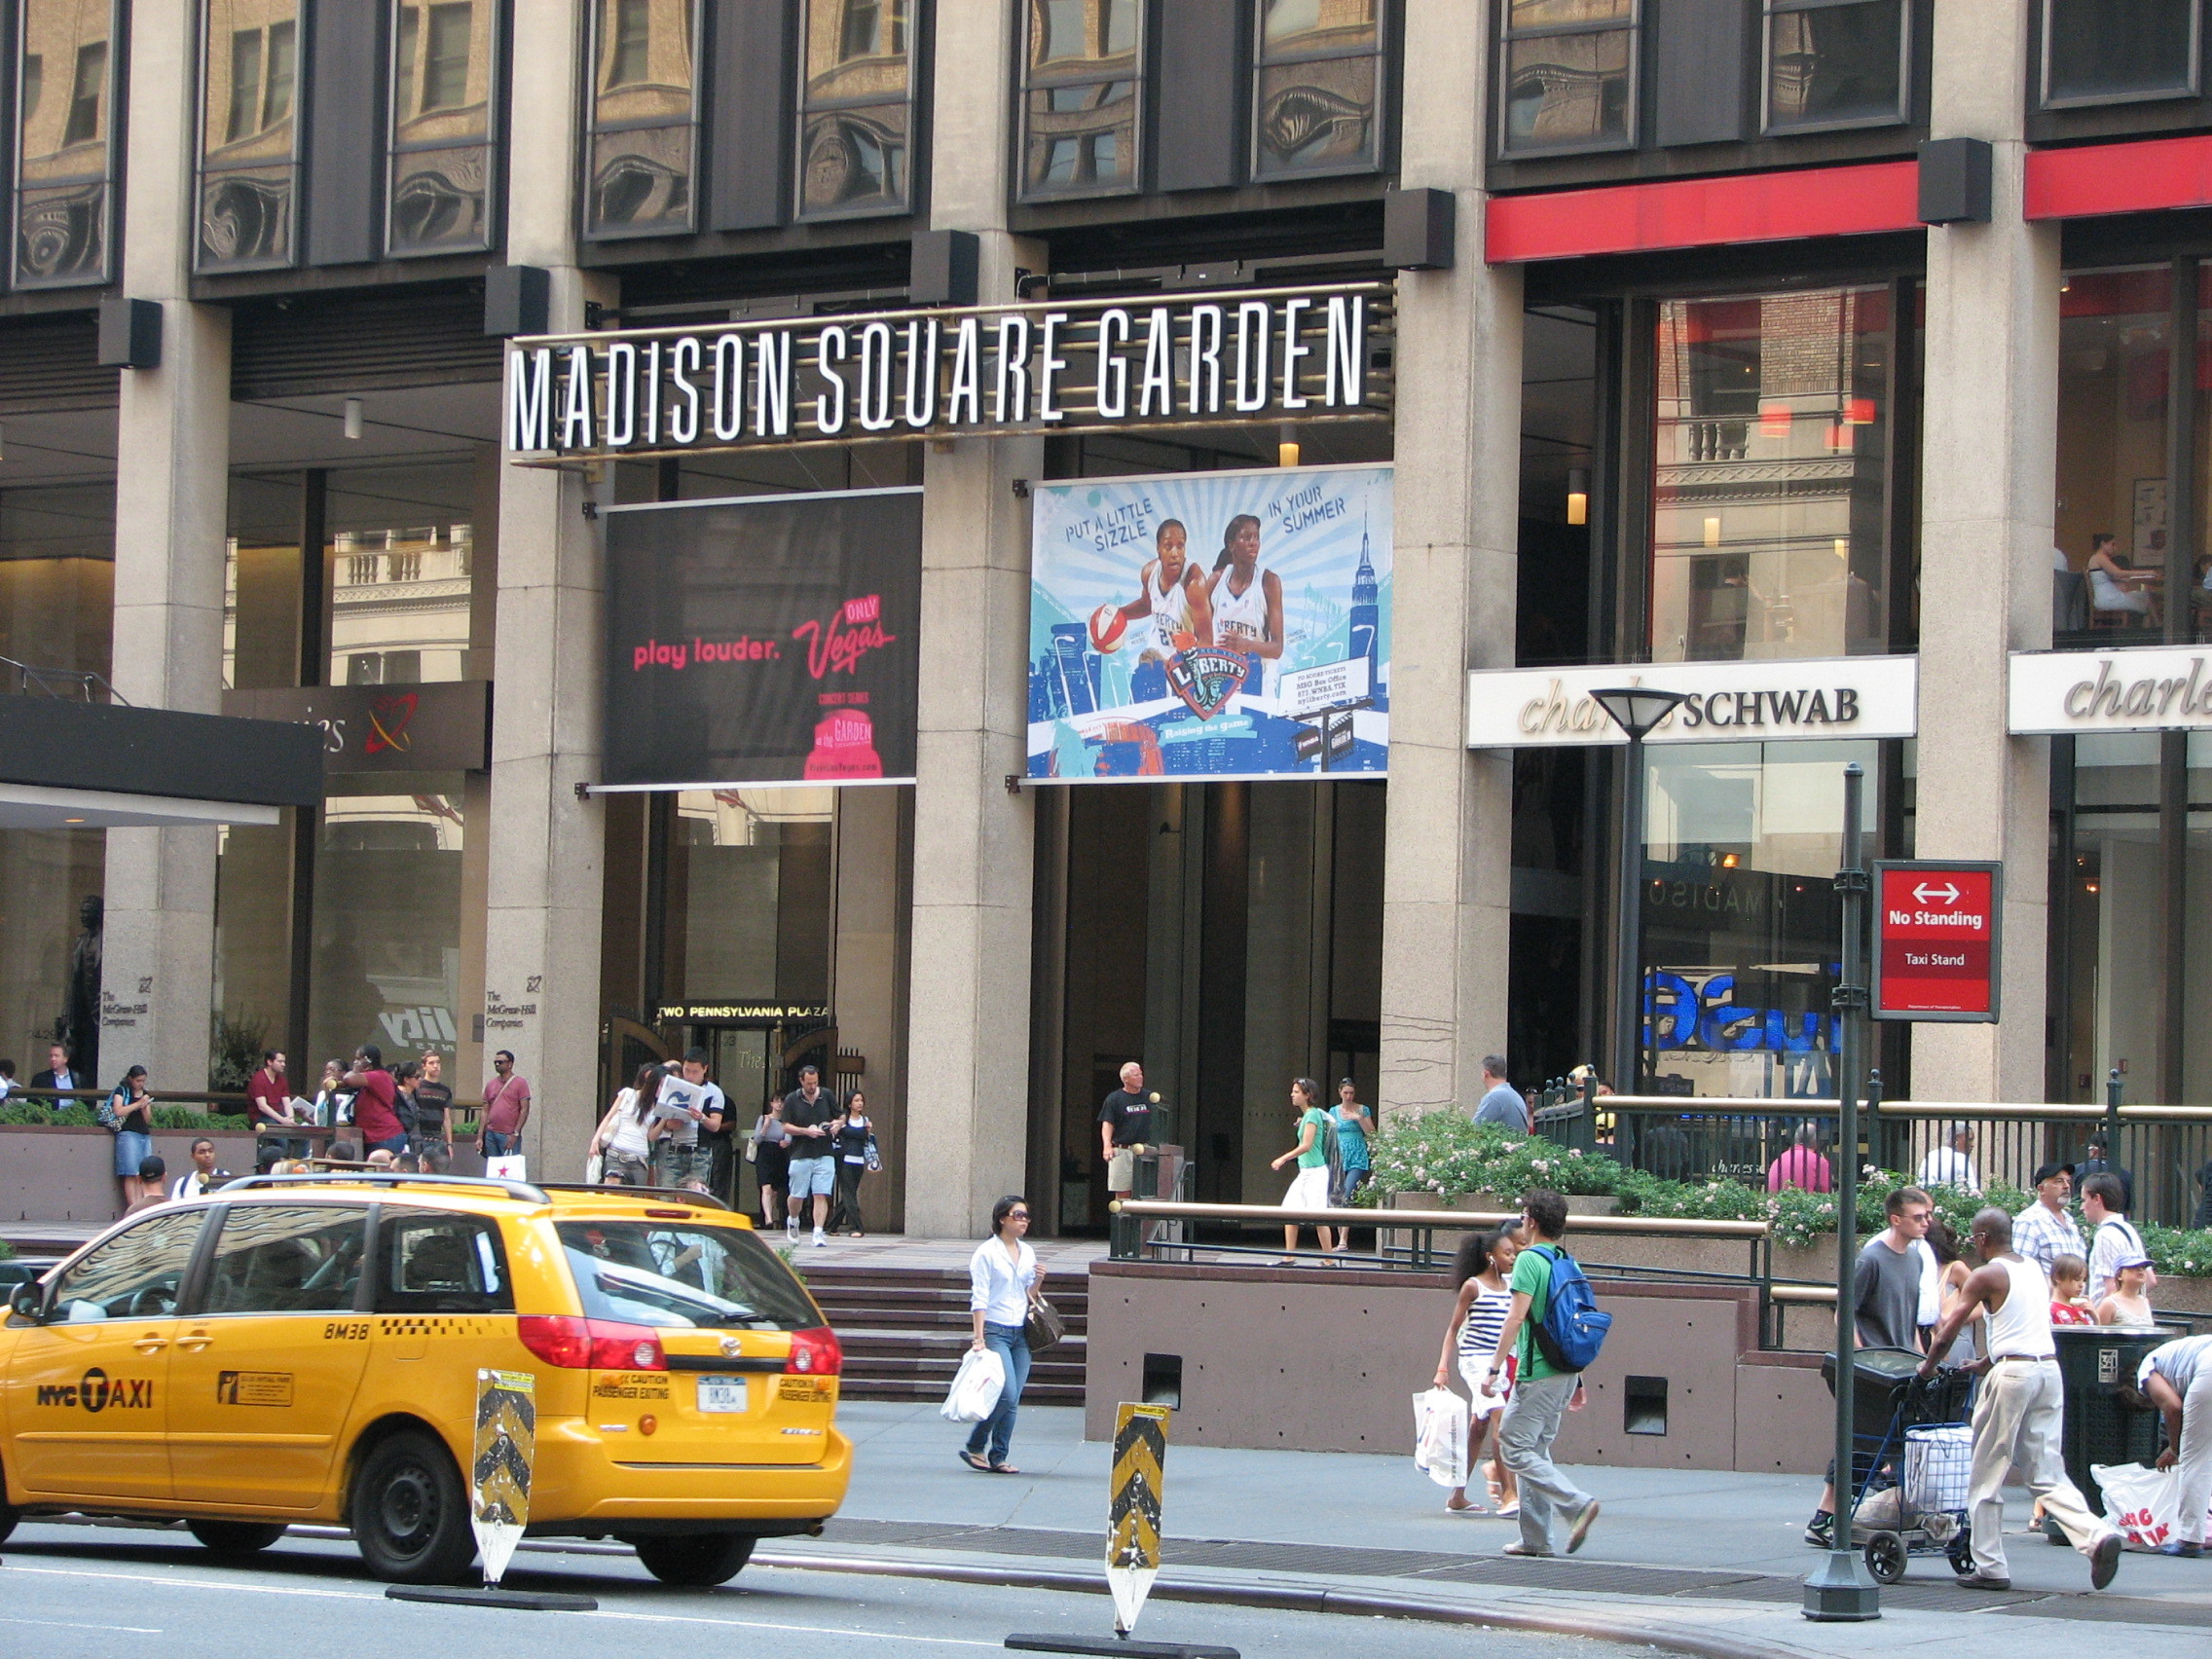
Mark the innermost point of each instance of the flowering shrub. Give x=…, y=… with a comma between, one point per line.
x=1447, y=1155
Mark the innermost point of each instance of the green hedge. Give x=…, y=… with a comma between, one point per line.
x=79, y=1115
x=1447, y=1155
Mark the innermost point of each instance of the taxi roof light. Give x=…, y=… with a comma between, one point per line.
x=591, y=1345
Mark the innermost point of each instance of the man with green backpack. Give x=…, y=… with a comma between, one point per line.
x=1551, y=1336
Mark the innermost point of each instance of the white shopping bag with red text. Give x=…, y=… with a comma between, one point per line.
x=1440, y=1437
x=2143, y=1503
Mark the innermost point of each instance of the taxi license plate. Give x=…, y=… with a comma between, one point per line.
x=723, y=1395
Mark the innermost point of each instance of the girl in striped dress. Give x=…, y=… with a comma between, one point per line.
x=1484, y=1270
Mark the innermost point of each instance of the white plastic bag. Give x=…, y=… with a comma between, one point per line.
x=2143, y=1503
x=509, y=1169
x=975, y=1387
x=1440, y=1437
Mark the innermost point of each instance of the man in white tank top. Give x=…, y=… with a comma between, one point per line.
x=2020, y=1411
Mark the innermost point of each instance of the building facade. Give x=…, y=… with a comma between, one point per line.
x=1801, y=354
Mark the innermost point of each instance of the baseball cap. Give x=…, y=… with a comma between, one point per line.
x=2045, y=1173
x=2134, y=1262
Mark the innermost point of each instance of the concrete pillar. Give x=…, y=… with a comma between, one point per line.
x=967, y=1020
x=543, y=880
x=1988, y=465
x=1447, y=885
x=172, y=484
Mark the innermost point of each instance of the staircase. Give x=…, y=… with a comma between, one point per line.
x=904, y=1329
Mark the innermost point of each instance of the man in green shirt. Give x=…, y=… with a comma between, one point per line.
x=1540, y=1392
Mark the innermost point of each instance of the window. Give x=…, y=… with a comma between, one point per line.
x=643, y=158
x=137, y=1275
x=1317, y=97
x=65, y=146
x=1835, y=64
x=249, y=141
x=444, y=62
x=2119, y=51
x=856, y=128
x=433, y=1262
x=682, y=1275
x=1569, y=75
x=1769, y=529
x=1079, y=103
x=286, y=1259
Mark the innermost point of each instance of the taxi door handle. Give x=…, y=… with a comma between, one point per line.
x=151, y=1344
x=197, y=1340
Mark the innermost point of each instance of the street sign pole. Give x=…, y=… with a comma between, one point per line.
x=1841, y=1590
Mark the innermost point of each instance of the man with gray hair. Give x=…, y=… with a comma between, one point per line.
x=1501, y=1103
x=1952, y=1165
x=1124, y=1125
x=2020, y=1410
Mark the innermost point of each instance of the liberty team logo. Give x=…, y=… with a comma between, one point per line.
x=1205, y=677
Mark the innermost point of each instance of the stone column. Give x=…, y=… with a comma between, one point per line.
x=1988, y=467
x=1447, y=885
x=968, y=1019
x=543, y=881
x=171, y=509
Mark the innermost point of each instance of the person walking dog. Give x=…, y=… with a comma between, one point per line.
x=2019, y=1411
x=1001, y=1275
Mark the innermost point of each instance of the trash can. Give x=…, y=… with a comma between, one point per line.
x=2095, y=1362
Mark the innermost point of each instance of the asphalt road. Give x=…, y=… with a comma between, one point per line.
x=111, y=1593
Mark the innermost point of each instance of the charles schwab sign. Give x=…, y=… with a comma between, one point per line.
x=2139, y=689
x=443, y=726
x=1314, y=353
x=1767, y=701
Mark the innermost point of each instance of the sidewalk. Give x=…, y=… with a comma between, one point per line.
x=1698, y=1560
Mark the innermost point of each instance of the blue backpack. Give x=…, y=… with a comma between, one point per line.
x=1573, y=1328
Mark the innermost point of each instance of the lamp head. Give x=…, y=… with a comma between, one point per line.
x=1636, y=709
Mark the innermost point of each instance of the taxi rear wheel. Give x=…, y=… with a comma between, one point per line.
x=235, y=1537
x=696, y=1561
x=409, y=1513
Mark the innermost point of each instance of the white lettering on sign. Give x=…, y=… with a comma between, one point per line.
x=1263, y=355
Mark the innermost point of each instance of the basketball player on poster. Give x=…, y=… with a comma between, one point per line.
x=1247, y=602
x=1171, y=597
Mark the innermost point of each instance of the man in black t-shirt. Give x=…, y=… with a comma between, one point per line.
x=1125, y=1122
x=433, y=1127
x=808, y=1111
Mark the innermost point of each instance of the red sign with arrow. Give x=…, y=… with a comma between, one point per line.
x=1937, y=930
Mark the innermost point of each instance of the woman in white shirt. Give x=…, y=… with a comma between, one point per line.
x=624, y=1139
x=1001, y=1275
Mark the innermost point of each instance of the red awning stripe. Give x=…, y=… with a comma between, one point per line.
x=2120, y=178
x=1704, y=212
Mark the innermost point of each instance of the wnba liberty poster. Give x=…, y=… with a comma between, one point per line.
x=1211, y=625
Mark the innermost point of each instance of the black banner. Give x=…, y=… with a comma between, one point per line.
x=763, y=642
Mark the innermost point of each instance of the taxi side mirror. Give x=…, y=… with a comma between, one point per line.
x=29, y=1300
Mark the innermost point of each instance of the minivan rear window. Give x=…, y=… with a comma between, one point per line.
x=682, y=1274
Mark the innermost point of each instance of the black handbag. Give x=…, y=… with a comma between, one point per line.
x=1042, y=1327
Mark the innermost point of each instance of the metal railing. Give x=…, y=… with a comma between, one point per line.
x=2166, y=1149
x=67, y=685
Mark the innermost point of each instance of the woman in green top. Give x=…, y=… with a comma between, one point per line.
x=1311, y=1190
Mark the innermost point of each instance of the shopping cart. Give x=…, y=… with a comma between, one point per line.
x=1911, y=1462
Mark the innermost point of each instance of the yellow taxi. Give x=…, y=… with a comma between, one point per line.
x=305, y=1348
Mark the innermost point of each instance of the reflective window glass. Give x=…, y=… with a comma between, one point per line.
x=286, y=1259
x=444, y=66
x=434, y=1262
x=855, y=126
x=1316, y=93
x=2107, y=51
x=750, y=885
x=65, y=143
x=642, y=160
x=248, y=137
x=1834, y=62
x=1769, y=534
x=136, y=1274
x=1081, y=110
x=679, y=1274
x=1569, y=75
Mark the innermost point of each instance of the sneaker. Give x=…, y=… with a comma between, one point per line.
x=819, y=1240
x=1821, y=1533
x=1582, y=1521
x=2181, y=1547
x=1982, y=1581
x=791, y=1231
x=2104, y=1561
x=1518, y=1548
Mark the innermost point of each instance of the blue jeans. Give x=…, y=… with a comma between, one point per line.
x=1013, y=1350
x=498, y=1145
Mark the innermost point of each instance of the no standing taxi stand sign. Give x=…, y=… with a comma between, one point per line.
x=1936, y=935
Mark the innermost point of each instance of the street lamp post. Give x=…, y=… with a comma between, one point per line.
x=1636, y=710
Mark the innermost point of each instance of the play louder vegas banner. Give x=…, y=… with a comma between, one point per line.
x=1211, y=625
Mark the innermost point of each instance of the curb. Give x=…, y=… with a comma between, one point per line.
x=1321, y=1599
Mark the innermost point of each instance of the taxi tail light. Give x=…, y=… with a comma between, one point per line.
x=591, y=1345
x=816, y=1353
